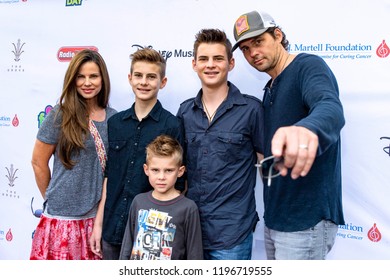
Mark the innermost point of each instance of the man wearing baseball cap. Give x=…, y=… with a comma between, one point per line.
x=303, y=120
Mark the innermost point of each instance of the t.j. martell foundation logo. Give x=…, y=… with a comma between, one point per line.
x=66, y=54
x=374, y=234
x=383, y=50
x=8, y=236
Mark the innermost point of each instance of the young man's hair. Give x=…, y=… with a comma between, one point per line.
x=165, y=146
x=151, y=56
x=213, y=36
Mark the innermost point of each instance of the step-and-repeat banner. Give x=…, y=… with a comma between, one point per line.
x=39, y=37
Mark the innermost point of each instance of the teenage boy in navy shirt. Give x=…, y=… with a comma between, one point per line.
x=129, y=132
x=223, y=141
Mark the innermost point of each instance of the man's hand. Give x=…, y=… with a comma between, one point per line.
x=298, y=146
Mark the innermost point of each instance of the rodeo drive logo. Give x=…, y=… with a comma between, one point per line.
x=11, y=176
x=17, y=51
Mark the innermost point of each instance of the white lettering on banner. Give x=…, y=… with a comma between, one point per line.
x=66, y=54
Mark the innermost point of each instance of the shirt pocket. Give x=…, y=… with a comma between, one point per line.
x=232, y=144
x=117, y=150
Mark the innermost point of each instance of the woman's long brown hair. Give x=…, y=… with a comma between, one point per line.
x=73, y=107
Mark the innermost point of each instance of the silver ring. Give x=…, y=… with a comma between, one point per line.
x=303, y=146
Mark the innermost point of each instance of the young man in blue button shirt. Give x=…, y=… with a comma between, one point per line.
x=223, y=140
x=129, y=132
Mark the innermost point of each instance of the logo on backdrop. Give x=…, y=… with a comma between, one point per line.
x=73, y=3
x=65, y=54
x=351, y=231
x=43, y=114
x=8, y=121
x=386, y=149
x=348, y=51
x=17, y=51
x=356, y=233
x=7, y=236
x=374, y=234
x=178, y=53
x=383, y=50
x=11, y=176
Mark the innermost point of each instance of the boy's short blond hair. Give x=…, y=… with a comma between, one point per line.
x=165, y=146
x=151, y=56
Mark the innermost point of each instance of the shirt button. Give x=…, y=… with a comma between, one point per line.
x=135, y=144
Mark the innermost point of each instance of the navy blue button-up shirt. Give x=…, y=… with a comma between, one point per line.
x=128, y=138
x=221, y=170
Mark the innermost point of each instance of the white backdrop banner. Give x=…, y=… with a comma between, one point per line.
x=38, y=38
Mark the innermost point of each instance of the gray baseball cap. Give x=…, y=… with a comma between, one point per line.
x=250, y=25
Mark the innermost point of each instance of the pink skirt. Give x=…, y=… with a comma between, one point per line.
x=62, y=239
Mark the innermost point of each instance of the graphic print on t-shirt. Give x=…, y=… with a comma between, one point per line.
x=155, y=236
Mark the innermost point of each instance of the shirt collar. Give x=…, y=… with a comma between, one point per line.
x=234, y=97
x=154, y=113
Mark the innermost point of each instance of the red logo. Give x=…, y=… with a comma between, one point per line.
x=374, y=234
x=15, y=121
x=9, y=235
x=66, y=54
x=383, y=50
